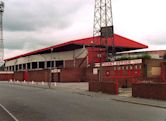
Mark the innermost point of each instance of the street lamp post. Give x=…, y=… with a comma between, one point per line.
x=100, y=67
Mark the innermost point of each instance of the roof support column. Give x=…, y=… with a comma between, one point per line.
x=14, y=67
x=7, y=68
x=31, y=66
x=37, y=65
x=54, y=64
x=26, y=66
x=22, y=67
x=45, y=65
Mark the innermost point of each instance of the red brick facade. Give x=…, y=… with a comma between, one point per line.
x=163, y=71
x=6, y=76
x=72, y=75
x=65, y=75
x=94, y=86
x=125, y=77
x=37, y=75
x=105, y=87
x=77, y=63
x=19, y=76
x=149, y=90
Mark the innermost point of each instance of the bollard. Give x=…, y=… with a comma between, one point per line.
x=33, y=82
x=10, y=81
x=55, y=84
x=42, y=83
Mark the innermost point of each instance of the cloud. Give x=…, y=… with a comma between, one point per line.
x=34, y=24
x=30, y=25
x=142, y=20
x=30, y=15
x=27, y=40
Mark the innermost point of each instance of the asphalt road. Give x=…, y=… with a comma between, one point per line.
x=37, y=104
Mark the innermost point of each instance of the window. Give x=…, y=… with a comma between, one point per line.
x=24, y=66
x=41, y=64
x=52, y=64
x=16, y=67
x=28, y=65
x=59, y=64
x=48, y=64
x=10, y=68
x=34, y=65
x=20, y=67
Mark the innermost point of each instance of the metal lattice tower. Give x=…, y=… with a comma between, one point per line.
x=1, y=33
x=103, y=24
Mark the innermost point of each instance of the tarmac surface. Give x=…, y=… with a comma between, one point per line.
x=4, y=116
x=60, y=103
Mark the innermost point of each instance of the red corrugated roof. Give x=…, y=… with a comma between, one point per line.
x=119, y=42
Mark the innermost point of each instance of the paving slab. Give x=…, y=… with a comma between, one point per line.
x=126, y=99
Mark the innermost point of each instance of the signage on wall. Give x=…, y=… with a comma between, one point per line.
x=95, y=71
x=118, y=63
x=55, y=71
x=107, y=73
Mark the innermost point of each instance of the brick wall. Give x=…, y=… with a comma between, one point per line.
x=72, y=75
x=94, y=86
x=125, y=77
x=149, y=70
x=105, y=87
x=163, y=71
x=36, y=75
x=149, y=90
x=39, y=76
x=19, y=76
x=109, y=87
x=78, y=63
x=6, y=77
x=90, y=76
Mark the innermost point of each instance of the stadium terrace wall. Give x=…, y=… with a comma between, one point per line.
x=66, y=59
x=6, y=76
x=57, y=75
x=74, y=71
x=126, y=74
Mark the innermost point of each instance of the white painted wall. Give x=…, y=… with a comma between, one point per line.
x=68, y=55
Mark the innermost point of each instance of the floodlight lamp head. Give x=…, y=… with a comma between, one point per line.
x=1, y=6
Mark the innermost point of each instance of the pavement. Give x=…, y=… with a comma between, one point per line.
x=82, y=89
x=28, y=103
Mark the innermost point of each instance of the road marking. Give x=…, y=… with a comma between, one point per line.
x=15, y=119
